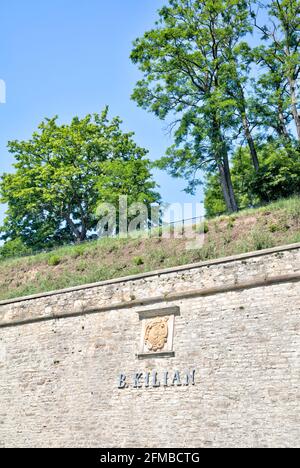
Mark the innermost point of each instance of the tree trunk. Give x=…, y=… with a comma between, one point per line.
x=221, y=157
x=227, y=189
x=83, y=232
x=80, y=235
x=295, y=113
x=234, y=205
x=220, y=148
x=250, y=141
x=246, y=127
x=282, y=129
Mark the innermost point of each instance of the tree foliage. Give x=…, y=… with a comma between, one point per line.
x=132, y=179
x=53, y=194
x=232, y=109
x=220, y=94
x=191, y=71
x=278, y=177
x=14, y=248
x=280, y=55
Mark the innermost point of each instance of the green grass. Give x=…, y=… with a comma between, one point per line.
x=272, y=225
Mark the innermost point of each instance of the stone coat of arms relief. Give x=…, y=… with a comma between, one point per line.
x=156, y=334
x=157, y=327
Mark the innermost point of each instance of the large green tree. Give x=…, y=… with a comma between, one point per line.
x=282, y=50
x=53, y=194
x=187, y=61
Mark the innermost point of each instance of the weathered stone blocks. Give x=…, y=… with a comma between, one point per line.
x=61, y=356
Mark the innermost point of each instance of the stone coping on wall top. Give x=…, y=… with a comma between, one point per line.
x=191, y=266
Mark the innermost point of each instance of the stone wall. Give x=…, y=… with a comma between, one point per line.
x=237, y=326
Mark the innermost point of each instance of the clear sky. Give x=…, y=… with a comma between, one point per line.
x=70, y=57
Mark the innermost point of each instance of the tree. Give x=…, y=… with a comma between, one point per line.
x=283, y=45
x=184, y=60
x=132, y=179
x=53, y=193
x=243, y=173
x=14, y=248
x=278, y=177
x=236, y=73
x=271, y=101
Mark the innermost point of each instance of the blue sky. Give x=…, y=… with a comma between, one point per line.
x=70, y=57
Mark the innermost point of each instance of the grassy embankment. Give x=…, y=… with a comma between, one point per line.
x=250, y=230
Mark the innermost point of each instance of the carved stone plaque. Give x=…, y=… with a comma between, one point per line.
x=157, y=332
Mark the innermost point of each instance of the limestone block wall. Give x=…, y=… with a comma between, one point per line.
x=238, y=328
